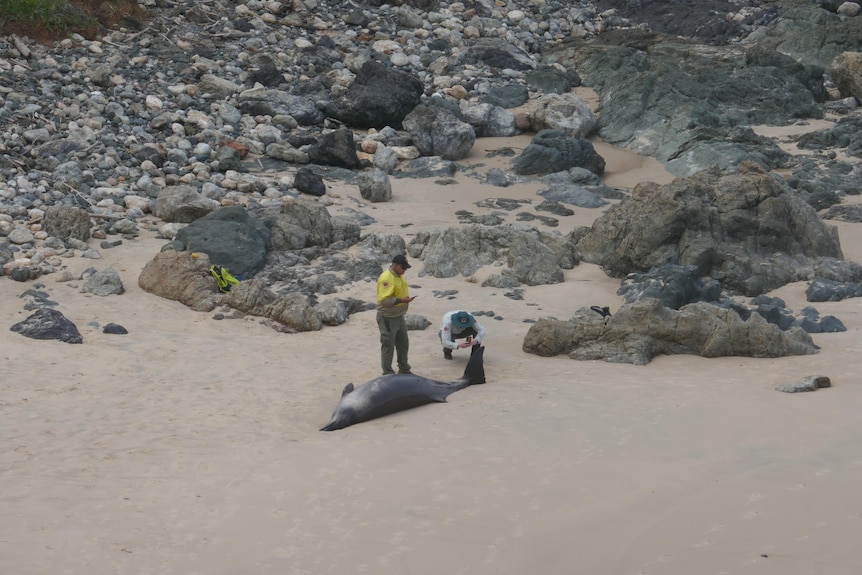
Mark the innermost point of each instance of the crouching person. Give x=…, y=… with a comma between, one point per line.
x=459, y=325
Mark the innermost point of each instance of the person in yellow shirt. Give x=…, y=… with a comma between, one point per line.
x=393, y=300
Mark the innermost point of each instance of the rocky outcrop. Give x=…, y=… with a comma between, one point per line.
x=531, y=256
x=743, y=228
x=638, y=332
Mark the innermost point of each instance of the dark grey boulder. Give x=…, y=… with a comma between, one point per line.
x=554, y=151
x=379, y=96
x=308, y=182
x=509, y=96
x=47, y=323
x=115, y=329
x=231, y=237
x=336, y=148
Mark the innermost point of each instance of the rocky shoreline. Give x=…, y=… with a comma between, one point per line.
x=166, y=123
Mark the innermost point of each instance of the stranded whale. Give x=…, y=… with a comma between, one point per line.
x=390, y=393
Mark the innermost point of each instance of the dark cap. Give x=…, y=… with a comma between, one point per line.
x=401, y=261
x=463, y=319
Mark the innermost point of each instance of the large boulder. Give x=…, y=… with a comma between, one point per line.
x=378, y=97
x=556, y=151
x=638, y=332
x=231, y=237
x=743, y=227
x=438, y=132
x=299, y=224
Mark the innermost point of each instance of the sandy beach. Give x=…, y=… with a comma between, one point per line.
x=191, y=445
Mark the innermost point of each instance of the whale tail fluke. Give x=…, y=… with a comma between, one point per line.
x=474, y=373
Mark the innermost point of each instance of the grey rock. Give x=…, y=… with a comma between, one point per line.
x=67, y=222
x=103, y=283
x=810, y=383
x=374, y=186
x=47, y=323
x=638, y=332
x=564, y=112
x=733, y=226
x=182, y=204
x=438, y=132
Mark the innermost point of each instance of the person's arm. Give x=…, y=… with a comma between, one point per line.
x=386, y=291
x=480, y=330
x=446, y=333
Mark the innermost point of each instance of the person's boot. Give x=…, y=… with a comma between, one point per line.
x=447, y=353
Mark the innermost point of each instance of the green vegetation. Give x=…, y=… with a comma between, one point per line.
x=52, y=15
x=47, y=20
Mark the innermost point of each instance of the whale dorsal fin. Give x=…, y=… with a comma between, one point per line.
x=347, y=389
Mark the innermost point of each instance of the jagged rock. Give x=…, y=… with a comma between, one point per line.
x=741, y=227
x=533, y=257
x=638, y=332
x=47, y=323
x=294, y=313
x=487, y=120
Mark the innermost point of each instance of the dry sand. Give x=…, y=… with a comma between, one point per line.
x=191, y=446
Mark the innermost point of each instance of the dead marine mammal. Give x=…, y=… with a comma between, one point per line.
x=391, y=393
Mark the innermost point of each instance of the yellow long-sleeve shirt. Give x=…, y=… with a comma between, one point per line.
x=390, y=288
